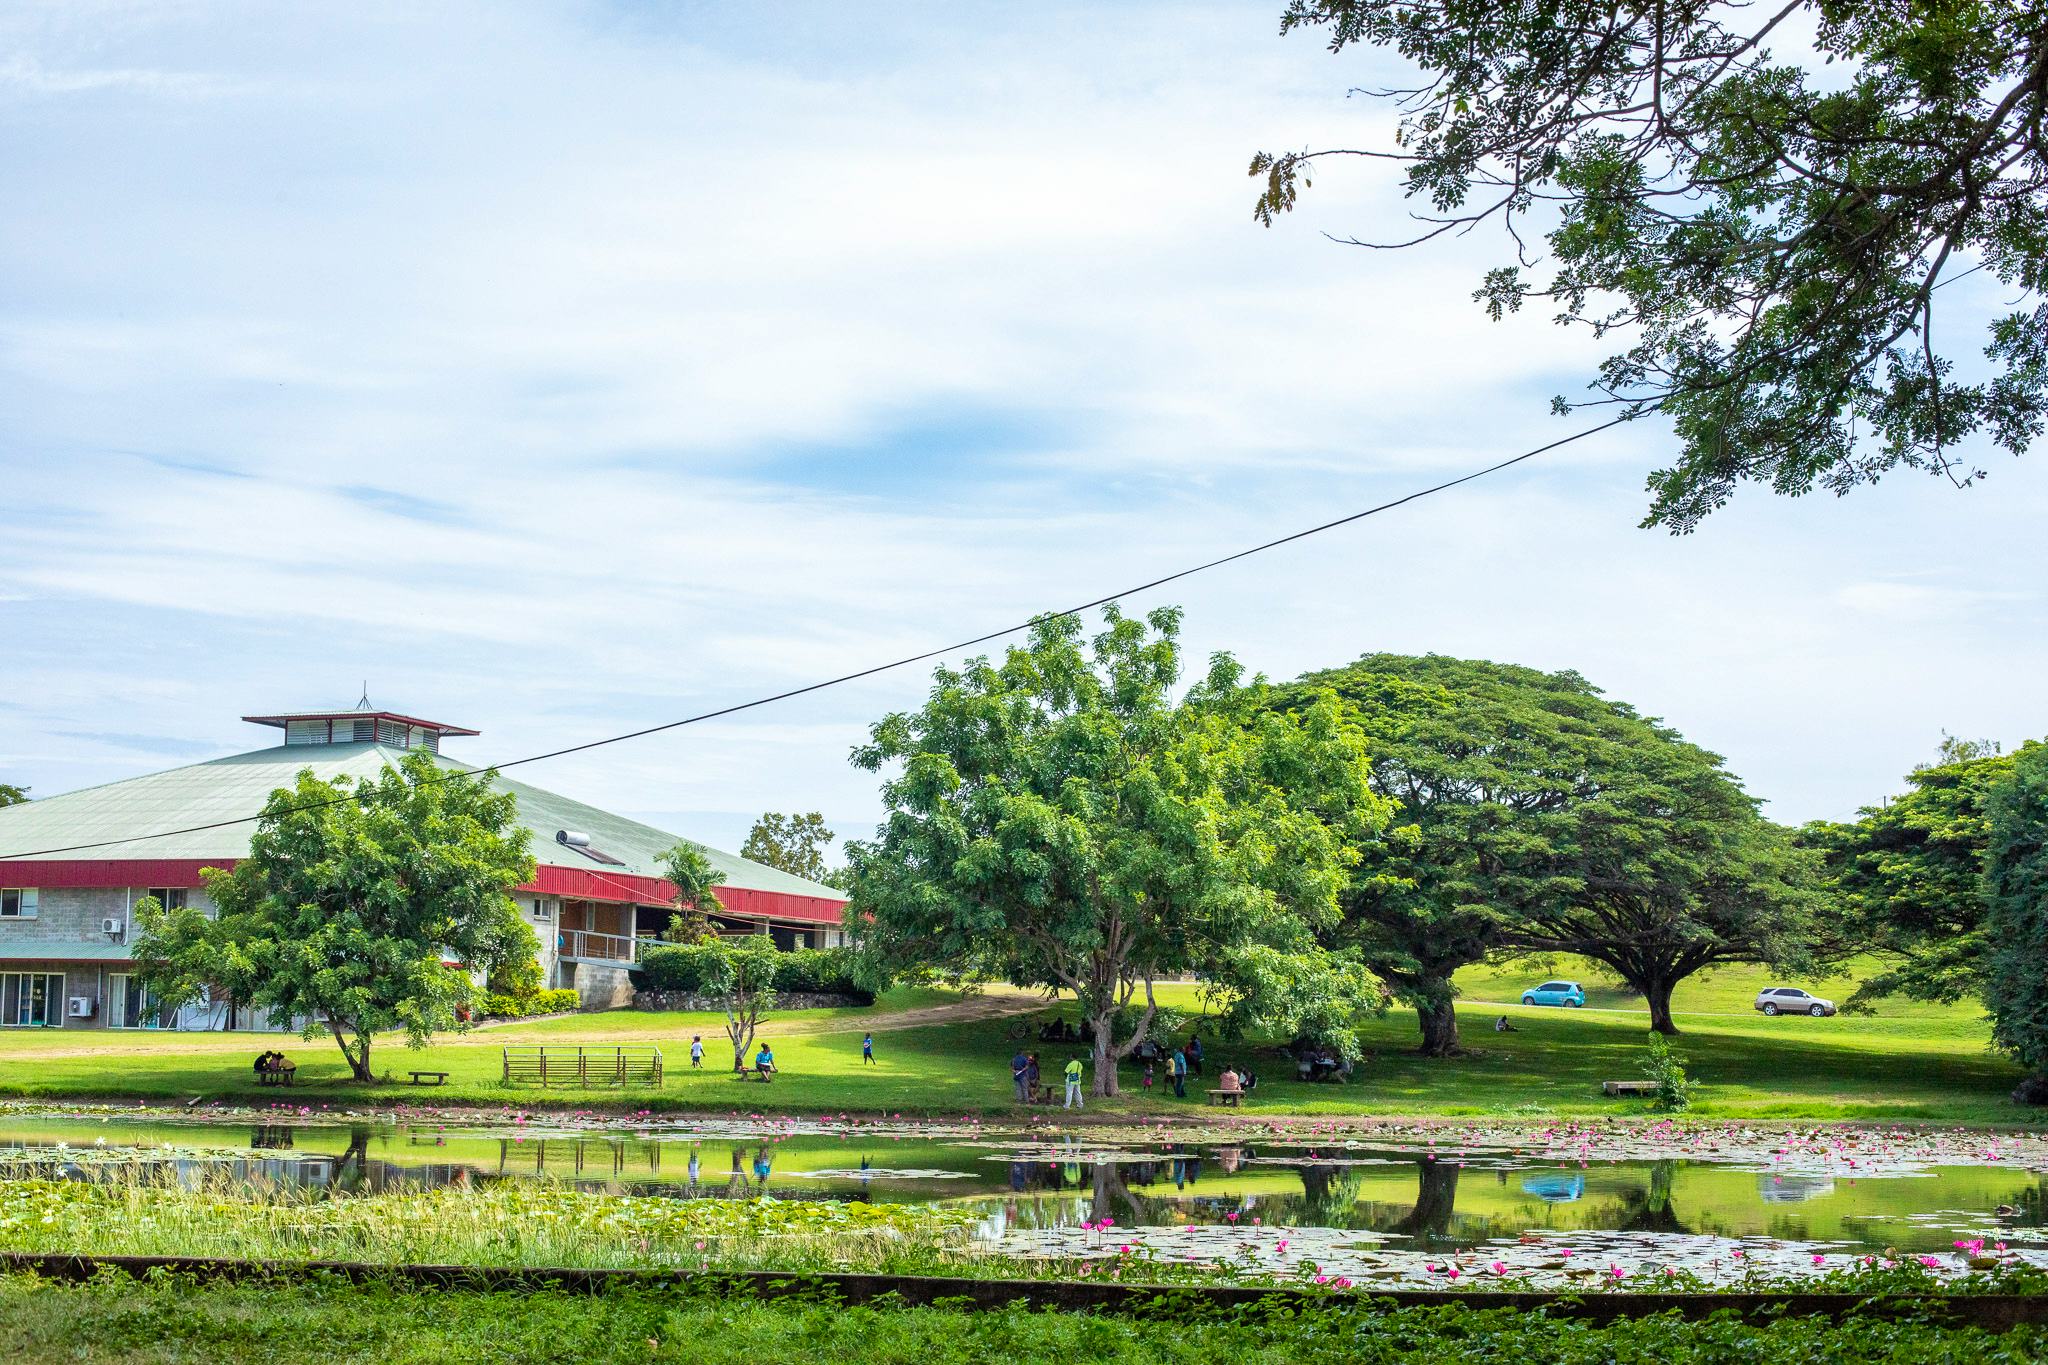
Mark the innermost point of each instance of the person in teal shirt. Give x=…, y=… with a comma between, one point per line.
x=1074, y=1085
x=1180, y=1074
x=764, y=1060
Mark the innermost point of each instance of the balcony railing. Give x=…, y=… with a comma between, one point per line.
x=587, y=943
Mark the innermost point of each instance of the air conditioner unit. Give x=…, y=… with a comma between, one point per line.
x=113, y=926
x=81, y=1007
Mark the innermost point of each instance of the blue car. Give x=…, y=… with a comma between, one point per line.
x=1568, y=994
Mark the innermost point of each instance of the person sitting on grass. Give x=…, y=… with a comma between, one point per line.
x=1501, y=1025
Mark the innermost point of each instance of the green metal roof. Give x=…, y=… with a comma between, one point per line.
x=236, y=787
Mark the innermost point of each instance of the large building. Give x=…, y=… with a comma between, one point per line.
x=72, y=868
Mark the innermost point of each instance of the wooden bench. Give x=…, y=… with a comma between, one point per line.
x=1230, y=1097
x=1628, y=1087
x=279, y=1077
x=439, y=1078
x=763, y=1074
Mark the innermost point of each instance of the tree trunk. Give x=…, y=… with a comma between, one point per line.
x=1439, y=1019
x=358, y=1055
x=1658, y=994
x=1105, y=1054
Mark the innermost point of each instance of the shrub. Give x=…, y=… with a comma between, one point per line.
x=690, y=968
x=1667, y=1069
x=500, y=1006
x=700, y=968
x=518, y=976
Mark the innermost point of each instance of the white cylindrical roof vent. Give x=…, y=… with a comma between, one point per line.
x=572, y=838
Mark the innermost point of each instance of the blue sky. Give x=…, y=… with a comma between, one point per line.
x=560, y=370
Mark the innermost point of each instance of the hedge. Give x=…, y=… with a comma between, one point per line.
x=498, y=1006
x=689, y=968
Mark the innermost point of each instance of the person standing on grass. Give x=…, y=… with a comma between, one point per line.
x=1180, y=1074
x=1020, y=1065
x=1074, y=1085
x=696, y=1054
x=867, y=1048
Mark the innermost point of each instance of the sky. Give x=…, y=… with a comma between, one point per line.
x=560, y=370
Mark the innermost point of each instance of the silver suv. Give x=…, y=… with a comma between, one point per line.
x=1792, y=1000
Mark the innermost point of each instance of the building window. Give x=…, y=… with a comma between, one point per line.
x=18, y=903
x=543, y=913
x=31, y=999
x=169, y=897
x=131, y=1004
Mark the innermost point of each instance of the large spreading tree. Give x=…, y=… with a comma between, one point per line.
x=1765, y=238
x=1908, y=876
x=794, y=843
x=1535, y=812
x=1062, y=820
x=363, y=906
x=2016, y=914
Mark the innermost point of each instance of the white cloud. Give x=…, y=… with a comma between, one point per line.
x=720, y=351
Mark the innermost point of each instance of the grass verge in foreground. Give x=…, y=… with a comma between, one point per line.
x=116, y=1319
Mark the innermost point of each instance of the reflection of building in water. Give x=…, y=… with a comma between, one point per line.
x=1793, y=1189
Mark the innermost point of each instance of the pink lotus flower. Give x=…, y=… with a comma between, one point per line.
x=1498, y=1268
x=1819, y=1259
x=1930, y=1263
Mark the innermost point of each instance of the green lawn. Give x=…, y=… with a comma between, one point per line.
x=170, y=1320
x=1909, y=1061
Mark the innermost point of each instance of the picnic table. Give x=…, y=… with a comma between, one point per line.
x=439, y=1078
x=1234, y=1098
x=277, y=1076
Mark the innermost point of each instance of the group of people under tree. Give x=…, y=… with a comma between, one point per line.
x=1181, y=1062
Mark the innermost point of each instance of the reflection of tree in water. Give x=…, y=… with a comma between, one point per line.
x=1649, y=1209
x=352, y=1168
x=1436, y=1199
x=1329, y=1195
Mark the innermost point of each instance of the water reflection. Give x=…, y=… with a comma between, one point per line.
x=1055, y=1184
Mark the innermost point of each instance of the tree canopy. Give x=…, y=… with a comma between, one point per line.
x=2016, y=978
x=1767, y=241
x=1908, y=877
x=1061, y=820
x=363, y=906
x=1535, y=812
x=794, y=843
x=11, y=795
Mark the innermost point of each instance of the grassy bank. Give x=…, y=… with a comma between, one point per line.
x=1911, y=1061
x=121, y=1320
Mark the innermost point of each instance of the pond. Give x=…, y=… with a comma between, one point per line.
x=1392, y=1204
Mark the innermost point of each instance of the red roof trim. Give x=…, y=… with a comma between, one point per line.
x=434, y=725
x=573, y=883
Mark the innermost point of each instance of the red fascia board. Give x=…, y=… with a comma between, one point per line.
x=435, y=725
x=626, y=888
x=108, y=871
x=571, y=883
